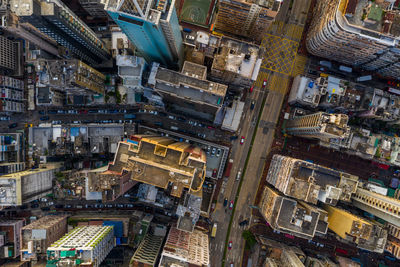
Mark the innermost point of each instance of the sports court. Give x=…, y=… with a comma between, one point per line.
x=196, y=12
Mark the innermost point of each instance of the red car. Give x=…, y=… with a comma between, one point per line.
x=231, y=205
x=214, y=173
x=264, y=83
x=251, y=89
x=230, y=245
x=242, y=140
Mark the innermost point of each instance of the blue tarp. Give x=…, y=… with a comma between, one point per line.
x=118, y=227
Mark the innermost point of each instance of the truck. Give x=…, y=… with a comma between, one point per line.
x=214, y=230
x=345, y=69
x=364, y=78
x=129, y=116
x=227, y=172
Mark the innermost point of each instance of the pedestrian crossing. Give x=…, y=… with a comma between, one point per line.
x=278, y=83
x=262, y=75
x=299, y=65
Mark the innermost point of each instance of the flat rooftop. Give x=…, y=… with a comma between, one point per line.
x=45, y=222
x=186, y=79
x=160, y=161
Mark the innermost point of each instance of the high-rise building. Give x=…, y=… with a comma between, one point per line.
x=70, y=76
x=37, y=236
x=384, y=207
x=188, y=91
x=95, y=8
x=177, y=167
x=56, y=20
x=248, y=18
x=152, y=26
x=9, y=52
x=162, y=162
x=25, y=186
x=185, y=249
x=310, y=182
x=393, y=242
x=11, y=94
x=319, y=125
x=287, y=215
x=12, y=152
x=365, y=234
x=85, y=245
x=10, y=230
x=357, y=33
x=149, y=249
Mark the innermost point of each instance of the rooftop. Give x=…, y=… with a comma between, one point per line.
x=45, y=222
x=160, y=161
x=202, y=90
x=373, y=18
x=287, y=215
x=84, y=237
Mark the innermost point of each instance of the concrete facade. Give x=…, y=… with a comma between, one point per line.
x=37, y=236
x=23, y=187
x=87, y=245
x=10, y=230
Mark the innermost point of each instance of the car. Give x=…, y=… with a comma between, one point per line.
x=251, y=89
x=244, y=222
x=171, y=117
x=42, y=112
x=230, y=245
x=214, y=173
x=313, y=72
x=218, y=152
x=83, y=111
x=181, y=119
x=5, y=118
x=60, y=111
x=231, y=205
x=201, y=135
x=13, y=125
x=101, y=111
x=213, y=150
x=239, y=174
x=142, y=111
x=252, y=105
x=201, y=125
x=225, y=202
x=264, y=83
x=93, y=111
x=210, y=127
x=68, y=206
x=71, y=111
x=56, y=122
x=242, y=140
x=52, y=112
x=76, y=122
x=34, y=206
x=44, y=118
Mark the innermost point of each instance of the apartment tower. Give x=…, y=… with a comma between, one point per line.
x=364, y=34
x=152, y=26
x=247, y=18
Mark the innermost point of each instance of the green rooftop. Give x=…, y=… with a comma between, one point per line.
x=376, y=13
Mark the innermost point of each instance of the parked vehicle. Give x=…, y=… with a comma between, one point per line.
x=225, y=202
x=252, y=105
x=13, y=125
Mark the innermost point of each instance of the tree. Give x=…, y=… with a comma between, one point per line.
x=250, y=239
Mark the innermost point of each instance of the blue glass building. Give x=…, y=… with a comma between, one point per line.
x=152, y=26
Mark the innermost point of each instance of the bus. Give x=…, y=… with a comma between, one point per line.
x=214, y=230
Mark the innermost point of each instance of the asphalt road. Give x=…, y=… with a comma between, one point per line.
x=33, y=117
x=239, y=152
x=278, y=86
